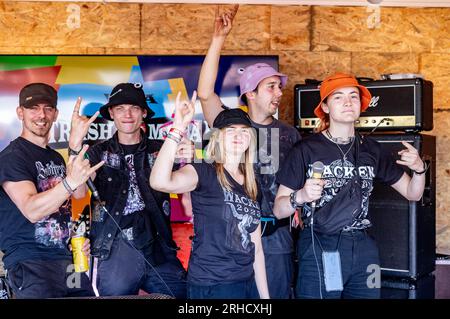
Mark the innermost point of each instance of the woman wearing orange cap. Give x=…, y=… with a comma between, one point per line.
x=331, y=174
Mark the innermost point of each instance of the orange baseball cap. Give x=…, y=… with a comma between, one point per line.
x=337, y=81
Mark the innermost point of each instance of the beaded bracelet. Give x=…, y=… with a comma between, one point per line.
x=174, y=137
x=177, y=131
x=176, y=134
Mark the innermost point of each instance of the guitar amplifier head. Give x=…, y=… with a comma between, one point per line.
x=405, y=104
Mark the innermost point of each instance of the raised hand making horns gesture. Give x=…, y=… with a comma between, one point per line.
x=79, y=126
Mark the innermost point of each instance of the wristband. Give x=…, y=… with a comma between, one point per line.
x=73, y=152
x=177, y=131
x=174, y=137
x=67, y=187
x=424, y=170
x=293, y=200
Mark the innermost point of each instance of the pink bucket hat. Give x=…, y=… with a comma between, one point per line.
x=255, y=73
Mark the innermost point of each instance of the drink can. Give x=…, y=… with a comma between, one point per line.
x=80, y=260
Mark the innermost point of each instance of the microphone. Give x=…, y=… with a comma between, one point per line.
x=91, y=185
x=317, y=171
x=93, y=189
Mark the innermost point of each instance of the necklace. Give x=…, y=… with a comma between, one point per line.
x=334, y=140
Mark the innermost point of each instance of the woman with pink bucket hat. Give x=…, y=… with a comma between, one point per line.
x=260, y=90
x=331, y=174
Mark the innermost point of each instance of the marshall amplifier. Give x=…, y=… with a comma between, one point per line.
x=405, y=104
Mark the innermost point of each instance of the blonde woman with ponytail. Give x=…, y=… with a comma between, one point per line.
x=227, y=257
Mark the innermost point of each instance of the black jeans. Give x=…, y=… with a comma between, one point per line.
x=126, y=271
x=48, y=279
x=237, y=290
x=359, y=254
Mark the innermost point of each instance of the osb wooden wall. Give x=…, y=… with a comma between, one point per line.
x=311, y=42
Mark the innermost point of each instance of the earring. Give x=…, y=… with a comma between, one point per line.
x=144, y=116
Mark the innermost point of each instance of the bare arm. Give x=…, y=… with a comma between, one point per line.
x=185, y=179
x=312, y=190
x=210, y=101
x=259, y=265
x=282, y=207
x=164, y=180
x=187, y=204
x=35, y=206
x=410, y=188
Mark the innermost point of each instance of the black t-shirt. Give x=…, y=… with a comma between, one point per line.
x=135, y=202
x=374, y=163
x=19, y=238
x=274, y=143
x=222, y=250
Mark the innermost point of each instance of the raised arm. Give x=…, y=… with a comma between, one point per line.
x=79, y=127
x=162, y=178
x=411, y=188
x=210, y=101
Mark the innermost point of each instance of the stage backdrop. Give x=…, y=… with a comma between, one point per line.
x=93, y=77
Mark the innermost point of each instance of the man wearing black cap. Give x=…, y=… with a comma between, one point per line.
x=132, y=240
x=35, y=207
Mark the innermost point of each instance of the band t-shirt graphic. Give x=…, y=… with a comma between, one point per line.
x=374, y=163
x=135, y=202
x=222, y=250
x=53, y=230
x=45, y=168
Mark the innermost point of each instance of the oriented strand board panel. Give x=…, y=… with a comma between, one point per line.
x=302, y=65
x=372, y=65
x=188, y=27
x=399, y=29
x=150, y=51
x=436, y=67
x=290, y=28
x=45, y=24
x=44, y=50
x=317, y=65
x=442, y=131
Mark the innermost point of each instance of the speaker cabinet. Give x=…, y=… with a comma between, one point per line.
x=405, y=105
x=405, y=230
x=396, y=288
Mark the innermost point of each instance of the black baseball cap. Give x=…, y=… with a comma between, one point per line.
x=127, y=93
x=35, y=93
x=231, y=117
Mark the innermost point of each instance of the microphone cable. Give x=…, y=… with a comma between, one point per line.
x=96, y=196
x=313, y=208
x=103, y=208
